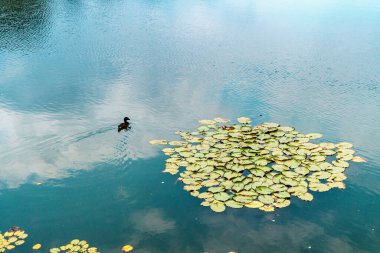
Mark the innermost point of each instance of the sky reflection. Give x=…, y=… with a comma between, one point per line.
x=70, y=71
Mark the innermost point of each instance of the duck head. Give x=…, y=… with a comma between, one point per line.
x=126, y=120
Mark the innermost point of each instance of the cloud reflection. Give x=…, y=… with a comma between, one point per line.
x=295, y=236
x=152, y=221
x=47, y=145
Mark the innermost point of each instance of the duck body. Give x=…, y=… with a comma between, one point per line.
x=124, y=125
x=14, y=229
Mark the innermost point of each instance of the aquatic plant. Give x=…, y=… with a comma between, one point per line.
x=11, y=239
x=262, y=166
x=75, y=246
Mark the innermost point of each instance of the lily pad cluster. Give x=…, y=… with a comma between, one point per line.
x=15, y=237
x=240, y=165
x=75, y=246
x=11, y=239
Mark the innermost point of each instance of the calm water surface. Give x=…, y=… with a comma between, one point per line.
x=71, y=70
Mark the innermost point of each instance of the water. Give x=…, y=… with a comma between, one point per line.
x=71, y=70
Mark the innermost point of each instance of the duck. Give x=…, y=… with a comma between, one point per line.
x=124, y=125
x=14, y=229
x=227, y=128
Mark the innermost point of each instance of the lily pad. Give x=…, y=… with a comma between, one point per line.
x=264, y=190
x=233, y=204
x=358, y=159
x=282, y=204
x=244, y=120
x=254, y=204
x=217, y=207
x=207, y=122
x=267, y=208
x=158, y=142
x=306, y=196
x=222, y=196
x=266, y=199
x=314, y=136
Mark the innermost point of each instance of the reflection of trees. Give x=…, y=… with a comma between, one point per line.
x=22, y=23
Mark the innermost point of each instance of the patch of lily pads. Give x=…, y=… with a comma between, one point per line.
x=11, y=239
x=263, y=166
x=75, y=246
x=16, y=237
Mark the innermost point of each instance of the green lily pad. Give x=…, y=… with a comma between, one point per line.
x=340, y=163
x=207, y=122
x=158, y=142
x=279, y=167
x=282, y=195
x=267, y=208
x=321, y=175
x=244, y=120
x=314, y=136
x=264, y=190
x=306, y=196
x=358, y=159
x=302, y=170
x=243, y=199
x=205, y=195
x=278, y=187
x=266, y=199
x=215, y=189
x=344, y=145
x=233, y=204
x=221, y=196
x=217, y=207
x=203, y=128
x=254, y=204
x=282, y=204
x=238, y=187
x=221, y=120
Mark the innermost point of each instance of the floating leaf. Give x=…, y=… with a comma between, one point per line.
x=127, y=248
x=36, y=246
x=302, y=170
x=222, y=196
x=306, y=196
x=233, y=204
x=203, y=128
x=358, y=159
x=339, y=185
x=158, y=142
x=266, y=199
x=267, y=208
x=243, y=199
x=244, y=120
x=254, y=204
x=321, y=175
x=271, y=124
x=264, y=190
x=314, y=136
x=221, y=120
x=279, y=167
x=217, y=207
x=20, y=242
x=340, y=163
x=282, y=195
x=344, y=145
x=282, y=204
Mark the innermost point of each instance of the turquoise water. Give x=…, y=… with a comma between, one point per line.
x=71, y=70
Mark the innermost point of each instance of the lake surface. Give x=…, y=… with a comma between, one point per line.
x=71, y=70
